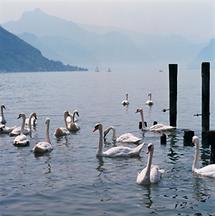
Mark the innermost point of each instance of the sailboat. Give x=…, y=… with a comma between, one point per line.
x=97, y=69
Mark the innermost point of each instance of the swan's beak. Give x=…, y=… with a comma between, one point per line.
x=94, y=129
x=4, y=107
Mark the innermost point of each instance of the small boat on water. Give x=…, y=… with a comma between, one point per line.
x=97, y=69
x=109, y=70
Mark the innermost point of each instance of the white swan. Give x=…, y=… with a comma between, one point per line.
x=124, y=138
x=5, y=129
x=59, y=132
x=125, y=102
x=151, y=174
x=31, y=120
x=73, y=126
x=149, y=102
x=21, y=140
x=119, y=151
x=209, y=170
x=45, y=146
x=2, y=118
x=158, y=127
x=143, y=123
x=17, y=131
x=69, y=119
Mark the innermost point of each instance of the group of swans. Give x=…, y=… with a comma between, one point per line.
x=149, y=175
x=116, y=151
x=70, y=124
x=158, y=127
x=22, y=140
x=149, y=102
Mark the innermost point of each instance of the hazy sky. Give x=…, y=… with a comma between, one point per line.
x=190, y=18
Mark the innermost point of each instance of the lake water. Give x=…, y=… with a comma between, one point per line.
x=71, y=180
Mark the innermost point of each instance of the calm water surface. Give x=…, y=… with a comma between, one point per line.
x=71, y=180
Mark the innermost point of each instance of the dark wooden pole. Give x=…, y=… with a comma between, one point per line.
x=205, y=97
x=173, y=72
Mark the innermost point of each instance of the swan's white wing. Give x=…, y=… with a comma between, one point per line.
x=118, y=151
x=155, y=174
x=128, y=138
x=208, y=171
x=42, y=147
x=161, y=127
x=142, y=178
x=123, y=151
x=21, y=140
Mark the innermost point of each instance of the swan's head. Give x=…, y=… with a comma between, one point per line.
x=21, y=115
x=66, y=113
x=34, y=115
x=195, y=140
x=47, y=121
x=108, y=130
x=155, y=122
x=150, y=148
x=97, y=127
x=3, y=106
x=139, y=110
x=76, y=112
x=149, y=94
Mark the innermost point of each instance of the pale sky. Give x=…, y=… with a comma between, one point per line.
x=189, y=18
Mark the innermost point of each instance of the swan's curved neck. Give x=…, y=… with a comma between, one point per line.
x=65, y=122
x=150, y=97
x=73, y=116
x=29, y=123
x=126, y=96
x=114, y=134
x=47, y=139
x=2, y=114
x=196, y=158
x=100, y=146
x=142, y=118
x=148, y=166
x=23, y=124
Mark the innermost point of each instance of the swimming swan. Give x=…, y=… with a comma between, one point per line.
x=70, y=116
x=151, y=174
x=158, y=127
x=149, y=102
x=208, y=170
x=125, y=102
x=124, y=138
x=26, y=130
x=45, y=146
x=73, y=126
x=119, y=151
x=2, y=118
x=31, y=120
x=59, y=132
x=143, y=123
x=21, y=140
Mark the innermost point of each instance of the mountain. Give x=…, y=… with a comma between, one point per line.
x=17, y=55
x=84, y=44
x=207, y=53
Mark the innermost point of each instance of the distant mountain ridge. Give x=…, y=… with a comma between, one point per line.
x=17, y=55
x=71, y=42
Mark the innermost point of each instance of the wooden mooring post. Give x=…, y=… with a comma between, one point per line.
x=173, y=72
x=205, y=96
